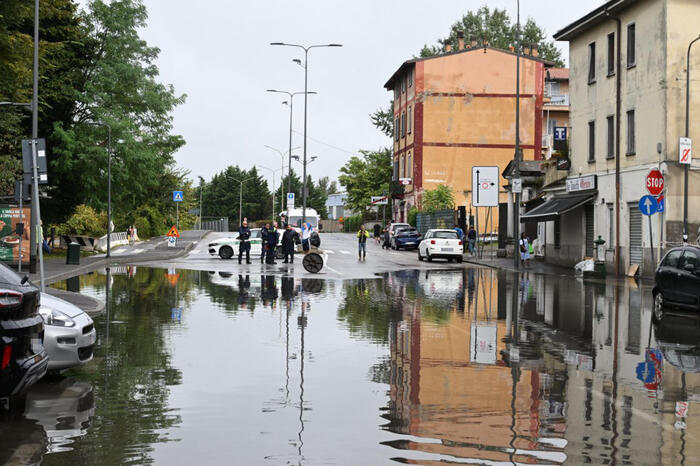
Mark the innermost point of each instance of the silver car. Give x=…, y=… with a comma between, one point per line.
x=69, y=333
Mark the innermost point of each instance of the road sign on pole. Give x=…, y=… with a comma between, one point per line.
x=648, y=205
x=685, y=151
x=290, y=201
x=655, y=182
x=484, y=186
x=379, y=200
x=517, y=185
x=177, y=196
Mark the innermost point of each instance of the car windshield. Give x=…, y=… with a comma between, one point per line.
x=445, y=234
x=407, y=231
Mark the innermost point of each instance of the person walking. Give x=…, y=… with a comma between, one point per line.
x=377, y=232
x=524, y=249
x=244, y=244
x=362, y=236
x=471, y=239
x=272, y=240
x=306, y=237
x=263, y=235
x=288, y=244
x=386, y=239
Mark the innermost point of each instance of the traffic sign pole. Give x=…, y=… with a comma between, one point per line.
x=651, y=244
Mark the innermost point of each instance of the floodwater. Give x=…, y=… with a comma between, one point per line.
x=430, y=367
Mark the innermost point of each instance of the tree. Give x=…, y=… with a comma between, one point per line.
x=383, y=119
x=365, y=176
x=495, y=27
x=440, y=198
x=221, y=195
x=317, y=193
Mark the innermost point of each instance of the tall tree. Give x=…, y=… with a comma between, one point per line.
x=364, y=176
x=224, y=192
x=316, y=199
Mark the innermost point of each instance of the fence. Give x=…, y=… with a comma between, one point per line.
x=215, y=224
x=330, y=226
x=437, y=219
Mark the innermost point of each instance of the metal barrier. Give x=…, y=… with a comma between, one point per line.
x=116, y=239
x=215, y=224
x=86, y=243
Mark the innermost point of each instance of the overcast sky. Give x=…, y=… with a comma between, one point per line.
x=218, y=53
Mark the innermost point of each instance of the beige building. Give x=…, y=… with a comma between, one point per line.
x=627, y=91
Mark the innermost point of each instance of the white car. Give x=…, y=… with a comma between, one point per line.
x=226, y=248
x=443, y=244
x=69, y=333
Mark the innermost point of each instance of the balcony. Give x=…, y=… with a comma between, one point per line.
x=557, y=100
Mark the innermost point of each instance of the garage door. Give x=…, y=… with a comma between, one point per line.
x=590, y=230
x=635, y=234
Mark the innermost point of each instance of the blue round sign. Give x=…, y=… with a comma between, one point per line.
x=648, y=205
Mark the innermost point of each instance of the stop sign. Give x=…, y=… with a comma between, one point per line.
x=655, y=182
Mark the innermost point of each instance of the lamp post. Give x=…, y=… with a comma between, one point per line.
x=240, y=197
x=273, y=185
x=282, y=156
x=36, y=209
x=306, y=98
x=109, y=181
x=291, y=108
x=516, y=156
x=687, y=135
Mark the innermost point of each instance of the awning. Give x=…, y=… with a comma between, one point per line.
x=556, y=206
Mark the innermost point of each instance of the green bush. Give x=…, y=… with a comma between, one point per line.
x=85, y=221
x=352, y=224
x=412, y=216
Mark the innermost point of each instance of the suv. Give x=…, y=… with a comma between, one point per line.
x=677, y=281
x=23, y=359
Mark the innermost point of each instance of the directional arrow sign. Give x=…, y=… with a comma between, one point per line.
x=648, y=205
x=485, y=186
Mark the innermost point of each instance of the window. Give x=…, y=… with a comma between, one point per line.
x=397, y=128
x=611, y=54
x=630, y=133
x=631, y=46
x=410, y=78
x=591, y=62
x=401, y=167
x=672, y=258
x=591, y=141
x=397, y=91
x=611, y=226
x=689, y=258
x=403, y=85
x=557, y=233
x=403, y=125
x=611, y=137
x=551, y=125
x=396, y=170
x=409, y=166
x=409, y=119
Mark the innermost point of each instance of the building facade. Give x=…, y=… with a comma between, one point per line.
x=627, y=114
x=457, y=110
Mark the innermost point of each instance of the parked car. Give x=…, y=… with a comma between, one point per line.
x=443, y=244
x=677, y=282
x=393, y=228
x=226, y=248
x=69, y=333
x=407, y=238
x=23, y=359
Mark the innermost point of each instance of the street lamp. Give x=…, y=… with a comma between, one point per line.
x=306, y=98
x=109, y=181
x=273, y=186
x=516, y=156
x=687, y=135
x=240, y=197
x=282, y=155
x=291, y=107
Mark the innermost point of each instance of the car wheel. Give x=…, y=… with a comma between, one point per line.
x=279, y=253
x=226, y=252
x=459, y=259
x=449, y=259
x=659, y=306
x=430, y=259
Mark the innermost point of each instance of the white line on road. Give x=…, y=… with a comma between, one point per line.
x=344, y=252
x=328, y=252
x=333, y=270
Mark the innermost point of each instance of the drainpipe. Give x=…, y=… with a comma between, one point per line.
x=618, y=107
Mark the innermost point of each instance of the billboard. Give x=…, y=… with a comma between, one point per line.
x=9, y=239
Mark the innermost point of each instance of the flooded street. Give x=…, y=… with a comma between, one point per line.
x=467, y=366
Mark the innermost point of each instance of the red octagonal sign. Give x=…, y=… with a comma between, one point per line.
x=655, y=182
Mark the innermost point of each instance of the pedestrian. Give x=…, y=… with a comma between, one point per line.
x=272, y=240
x=306, y=237
x=386, y=243
x=471, y=239
x=362, y=236
x=377, y=232
x=524, y=249
x=244, y=242
x=131, y=234
x=263, y=235
x=288, y=244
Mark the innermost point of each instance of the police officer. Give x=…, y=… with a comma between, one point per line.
x=244, y=245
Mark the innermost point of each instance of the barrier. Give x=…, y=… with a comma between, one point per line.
x=117, y=239
x=86, y=243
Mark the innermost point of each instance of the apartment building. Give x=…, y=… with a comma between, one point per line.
x=627, y=91
x=457, y=110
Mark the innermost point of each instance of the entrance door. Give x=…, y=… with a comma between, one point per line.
x=635, y=243
x=590, y=231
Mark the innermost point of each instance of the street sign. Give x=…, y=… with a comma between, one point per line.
x=685, y=151
x=655, y=182
x=560, y=133
x=172, y=241
x=517, y=185
x=173, y=233
x=41, y=165
x=661, y=203
x=483, y=343
x=290, y=201
x=177, y=196
x=405, y=181
x=648, y=205
x=484, y=186
x=681, y=409
x=379, y=200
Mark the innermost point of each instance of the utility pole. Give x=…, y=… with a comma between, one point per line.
x=516, y=165
x=36, y=212
x=687, y=135
x=201, y=189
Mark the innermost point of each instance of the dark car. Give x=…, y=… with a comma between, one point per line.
x=407, y=238
x=23, y=359
x=677, y=282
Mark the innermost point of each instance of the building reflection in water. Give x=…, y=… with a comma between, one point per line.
x=523, y=369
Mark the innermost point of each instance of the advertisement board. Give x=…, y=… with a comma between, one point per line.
x=9, y=239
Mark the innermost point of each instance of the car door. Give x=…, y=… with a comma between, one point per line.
x=688, y=282
x=668, y=275
x=423, y=246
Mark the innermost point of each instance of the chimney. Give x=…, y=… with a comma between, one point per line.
x=460, y=41
x=473, y=42
x=448, y=48
x=535, y=52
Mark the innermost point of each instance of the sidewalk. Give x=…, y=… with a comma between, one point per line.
x=533, y=265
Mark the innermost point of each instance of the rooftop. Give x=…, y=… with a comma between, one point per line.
x=593, y=18
x=558, y=74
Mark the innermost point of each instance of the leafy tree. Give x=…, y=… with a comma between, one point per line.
x=223, y=194
x=327, y=186
x=383, y=119
x=317, y=193
x=440, y=198
x=496, y=27
x=365, y=176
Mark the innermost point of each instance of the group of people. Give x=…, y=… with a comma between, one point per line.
x=270, y=238
x=468, y=240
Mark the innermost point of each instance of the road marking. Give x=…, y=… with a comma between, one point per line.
x=328, y=252
x=333, y=270
x=344, y=252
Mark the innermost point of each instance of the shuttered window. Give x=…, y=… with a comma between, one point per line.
x=635, y=243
